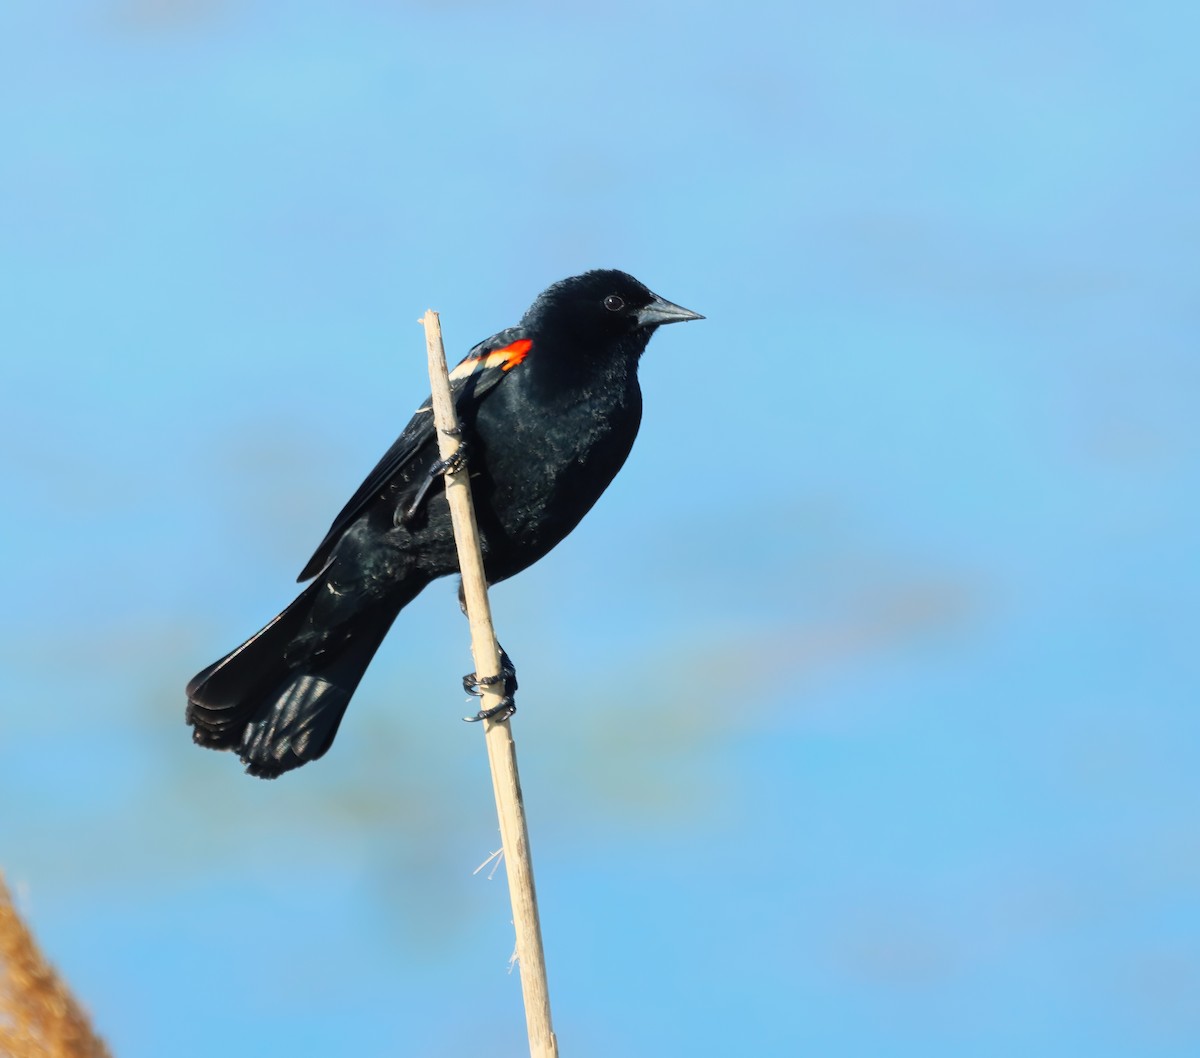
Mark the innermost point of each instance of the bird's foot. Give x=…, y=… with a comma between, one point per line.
x=475, y=685
x=456, y=460
x=452, y=464
x=503, y=711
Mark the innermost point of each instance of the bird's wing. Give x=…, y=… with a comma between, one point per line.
x=478, y=372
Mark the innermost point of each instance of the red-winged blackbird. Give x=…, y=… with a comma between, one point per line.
x=549, y=410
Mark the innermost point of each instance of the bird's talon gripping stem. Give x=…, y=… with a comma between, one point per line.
x=451, y=465
x=503, y=711
x=474, y=685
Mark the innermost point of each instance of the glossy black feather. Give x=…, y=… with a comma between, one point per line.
x=417, y=444
x=550, y=410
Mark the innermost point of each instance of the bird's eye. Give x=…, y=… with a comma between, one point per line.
x=614, y=303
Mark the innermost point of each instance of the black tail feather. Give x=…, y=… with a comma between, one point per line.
x=279, y=711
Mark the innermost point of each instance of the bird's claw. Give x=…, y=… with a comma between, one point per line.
x=452, y=464
x=475, y=686
x=503, y=711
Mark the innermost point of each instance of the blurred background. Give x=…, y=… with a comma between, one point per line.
x=860, y=716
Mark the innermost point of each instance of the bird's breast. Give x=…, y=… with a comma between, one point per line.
x=539, y=465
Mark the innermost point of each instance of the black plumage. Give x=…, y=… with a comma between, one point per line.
x=549, y=408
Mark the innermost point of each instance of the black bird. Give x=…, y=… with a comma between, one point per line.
x=549, y=410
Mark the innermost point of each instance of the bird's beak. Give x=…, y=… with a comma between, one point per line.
x=660, y=311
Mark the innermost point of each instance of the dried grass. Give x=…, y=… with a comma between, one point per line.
x=39, y=1018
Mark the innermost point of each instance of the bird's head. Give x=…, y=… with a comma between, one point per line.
x=603, y=308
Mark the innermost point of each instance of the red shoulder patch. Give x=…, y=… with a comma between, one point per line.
x=505, y=359
x=508, y=357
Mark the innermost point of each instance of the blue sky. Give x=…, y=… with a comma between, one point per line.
x=859, y=718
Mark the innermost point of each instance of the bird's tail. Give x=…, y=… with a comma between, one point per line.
x=277, y=700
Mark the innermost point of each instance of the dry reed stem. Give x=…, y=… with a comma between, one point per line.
x=39, y=1018
x=502, y=753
